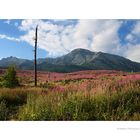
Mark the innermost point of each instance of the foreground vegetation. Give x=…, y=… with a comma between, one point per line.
x=107, y=97
x=42, y=104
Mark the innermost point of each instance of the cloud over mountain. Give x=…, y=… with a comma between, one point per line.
x=59, y=37
x=96, y=35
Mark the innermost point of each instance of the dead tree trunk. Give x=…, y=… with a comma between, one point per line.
x=35, y=62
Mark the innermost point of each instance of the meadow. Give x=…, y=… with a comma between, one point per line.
x=84, y=95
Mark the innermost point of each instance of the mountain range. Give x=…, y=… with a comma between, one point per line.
x=76, y=60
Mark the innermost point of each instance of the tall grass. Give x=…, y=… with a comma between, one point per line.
x=113, y=102
x=78, y=106
x=12, y=99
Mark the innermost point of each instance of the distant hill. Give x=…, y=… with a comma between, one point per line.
x=76, y=60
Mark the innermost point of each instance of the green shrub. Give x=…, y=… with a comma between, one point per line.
x=10, y=79
x=3, y=110
x=48, y=85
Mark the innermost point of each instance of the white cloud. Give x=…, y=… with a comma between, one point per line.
x=134, y=35
x=48, y=35
x=8, y=21
x=133, y=53
x=2, y=36
x=136, y=29
x=129, y=38
x=96, y=35
x=106, y=39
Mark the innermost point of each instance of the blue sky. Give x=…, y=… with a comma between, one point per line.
x=58, y=37
x=21, y=49
x=13, y=48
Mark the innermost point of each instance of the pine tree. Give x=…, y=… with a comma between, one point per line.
x=10, y=78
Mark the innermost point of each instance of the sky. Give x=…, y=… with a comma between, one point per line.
x=60, y=36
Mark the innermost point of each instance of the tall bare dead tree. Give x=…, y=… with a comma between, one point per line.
x=35, y=62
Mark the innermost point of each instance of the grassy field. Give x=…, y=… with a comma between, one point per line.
x=79, y=96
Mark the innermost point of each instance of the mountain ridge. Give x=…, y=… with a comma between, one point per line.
x=78, y=59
